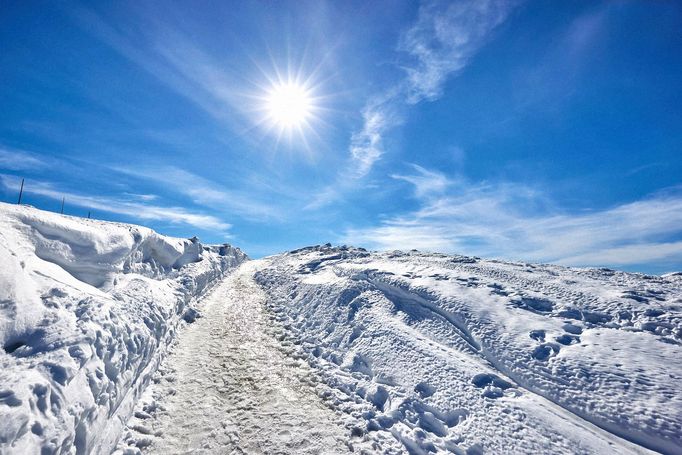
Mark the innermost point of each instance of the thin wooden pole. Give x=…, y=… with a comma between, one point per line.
x=21, y=191
x=63, y=204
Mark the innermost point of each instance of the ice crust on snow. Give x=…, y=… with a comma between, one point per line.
x=436, y=353
x=87, y=311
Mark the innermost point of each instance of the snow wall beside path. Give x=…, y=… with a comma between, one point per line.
x=87, y=311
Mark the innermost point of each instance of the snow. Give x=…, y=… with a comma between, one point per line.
x=233, y=384
x=87, y=311
x=116, y=338
x=458, y=354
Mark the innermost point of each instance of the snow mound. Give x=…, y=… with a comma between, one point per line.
x=87, y=311
x=436, y=353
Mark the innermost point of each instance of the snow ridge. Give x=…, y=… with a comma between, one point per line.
x=452, y=353
x=87, y=311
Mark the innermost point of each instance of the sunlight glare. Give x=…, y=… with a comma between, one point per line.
x=289, y=105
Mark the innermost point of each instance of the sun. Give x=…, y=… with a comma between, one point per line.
x=289, y=105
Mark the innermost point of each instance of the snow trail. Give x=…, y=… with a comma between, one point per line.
x=230, y=387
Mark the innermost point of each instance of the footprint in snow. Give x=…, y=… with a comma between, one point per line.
x=537, y=335
x=493, y=386
x=567, y=339
x=545, y=351
x=572, y=328
x=424, y=389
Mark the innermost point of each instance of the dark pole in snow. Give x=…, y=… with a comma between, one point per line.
x=63, y=204
x=21, y=191
x=88, y=214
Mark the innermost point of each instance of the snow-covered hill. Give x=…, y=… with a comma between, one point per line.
x=87, y=311
x=440, y=353
x=414, y=353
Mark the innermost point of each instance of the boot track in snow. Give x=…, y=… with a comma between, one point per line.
x=229, y=386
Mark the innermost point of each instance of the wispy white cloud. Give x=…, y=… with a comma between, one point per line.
x=425, y=182
x=20, y=160
x=143, y=197
x=159, y=46
x=205, y=192
x=644, y=167
x=174, y=181
x=134, y=209
x=641, y=253
x=557, y=74
x=444, y=38
x=171, y=57
x=365, y=146
x=441, y=42
x=514, y=221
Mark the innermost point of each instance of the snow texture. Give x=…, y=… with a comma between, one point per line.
x=87, y=311
x=323, y=349
x=234, y=384
x=435, y=353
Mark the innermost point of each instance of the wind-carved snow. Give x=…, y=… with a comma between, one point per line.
x=87, y=310
x=233, y=384
x=457, y=354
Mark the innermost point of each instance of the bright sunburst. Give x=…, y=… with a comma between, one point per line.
x=289, y=105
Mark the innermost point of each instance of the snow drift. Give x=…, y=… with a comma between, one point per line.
x=435, y=353
x=87, y=311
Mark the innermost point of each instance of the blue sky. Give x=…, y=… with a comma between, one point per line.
x=536, y=131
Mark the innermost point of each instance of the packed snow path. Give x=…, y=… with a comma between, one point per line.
x=229, y=386
x=421, y=353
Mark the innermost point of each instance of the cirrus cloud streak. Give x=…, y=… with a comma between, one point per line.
x=512, y=221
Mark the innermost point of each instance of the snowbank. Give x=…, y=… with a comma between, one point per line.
x=87, y=311
x=450, y=353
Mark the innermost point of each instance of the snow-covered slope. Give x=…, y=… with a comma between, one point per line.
x=449, y=353
x=87, y=310
x=420, y=352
